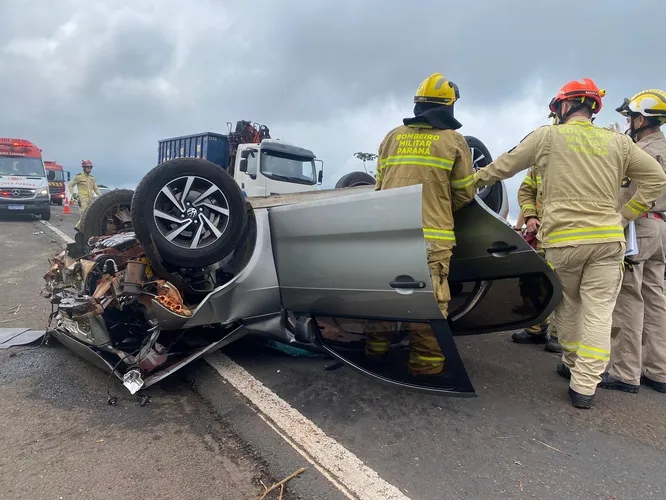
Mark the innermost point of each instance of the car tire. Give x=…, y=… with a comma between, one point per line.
x=95, y=219
x=355, y=179
x=157, y=218
x=46, y=214
x=492, y=195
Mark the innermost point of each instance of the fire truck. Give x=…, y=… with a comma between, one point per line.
x=57, y=184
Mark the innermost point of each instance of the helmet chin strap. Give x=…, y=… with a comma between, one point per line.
x=562, y=117
x=633, y=132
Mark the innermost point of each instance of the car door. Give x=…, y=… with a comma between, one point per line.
x=497, y=281
x=361, y=255
x=364, y=256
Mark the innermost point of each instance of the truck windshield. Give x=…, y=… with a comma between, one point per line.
x=59, y=175
x=21, y=165
x=287, y=168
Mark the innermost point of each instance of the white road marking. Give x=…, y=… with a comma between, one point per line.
x=336, y=463
x=57, y=231
x=340, y=463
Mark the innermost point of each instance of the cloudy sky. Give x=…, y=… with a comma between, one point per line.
x=105, y=80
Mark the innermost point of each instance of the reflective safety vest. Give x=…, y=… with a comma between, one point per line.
x=441, y=161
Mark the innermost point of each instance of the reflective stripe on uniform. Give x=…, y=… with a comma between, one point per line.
x=637, y=208
x=586, y=234
x=530, y=182
x=377, y=346
x=439, y=234
x=426, y=360
x=528, y=206
x=569, y=346
x=593, y=352
x=463, y=183
x=420, y=160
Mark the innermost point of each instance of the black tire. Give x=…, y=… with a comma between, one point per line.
x=95, y=219
x=148, y=194
x=355, y=179
x=58, y=201
x=46, y=214
x=491, y=195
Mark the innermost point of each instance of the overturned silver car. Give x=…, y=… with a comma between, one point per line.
x=198, y=266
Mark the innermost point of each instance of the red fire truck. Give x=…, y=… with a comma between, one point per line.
x=57, y=183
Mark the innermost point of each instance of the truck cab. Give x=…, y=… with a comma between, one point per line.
x=56, y=177
x=275, y=167
x=23, y=184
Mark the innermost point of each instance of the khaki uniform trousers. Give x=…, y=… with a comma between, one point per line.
x=591, y=276
x=84, y=201
x=639, y=319
x=425, y=355
x=549, y=321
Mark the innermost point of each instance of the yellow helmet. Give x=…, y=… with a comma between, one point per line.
x=650, y=103
x=437, y=89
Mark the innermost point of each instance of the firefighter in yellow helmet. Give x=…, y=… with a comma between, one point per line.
x=87, y=185
x=639, y=319
x=427, y=150
x=581, y=230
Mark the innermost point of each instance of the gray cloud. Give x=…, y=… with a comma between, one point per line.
x=106, y=80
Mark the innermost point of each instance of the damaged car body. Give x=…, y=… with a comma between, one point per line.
x=202, y=267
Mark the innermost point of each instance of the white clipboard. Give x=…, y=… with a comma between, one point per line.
x=632, y=241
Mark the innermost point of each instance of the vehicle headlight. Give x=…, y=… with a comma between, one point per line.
x=44, y=192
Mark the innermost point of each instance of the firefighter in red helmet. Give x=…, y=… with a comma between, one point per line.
x=581, y=231
x=87, y=185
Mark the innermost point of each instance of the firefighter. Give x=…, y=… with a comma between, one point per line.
x=529, y=199
x=582, y=233
x=639, y=318
x=427, y=150
x=87, y=186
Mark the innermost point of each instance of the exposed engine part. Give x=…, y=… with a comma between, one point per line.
x=134, y=277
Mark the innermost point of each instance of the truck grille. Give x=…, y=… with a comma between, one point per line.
x=16, y=193
x=56, y=189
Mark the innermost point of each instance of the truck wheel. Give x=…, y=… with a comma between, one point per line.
x=355, y=179
x=58, y=201
x=192, y=209
x=108, y=214
x=46, y=214
x=492, y=195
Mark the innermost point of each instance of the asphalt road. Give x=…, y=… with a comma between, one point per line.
x=519, y=439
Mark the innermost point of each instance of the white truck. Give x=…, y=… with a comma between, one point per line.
x=261, y=166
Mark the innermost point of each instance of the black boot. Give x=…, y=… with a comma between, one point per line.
x=609, y=382
x=553, y=345
x=580, y=400
x=563, y=370
x=657, y=386
x=527, y=337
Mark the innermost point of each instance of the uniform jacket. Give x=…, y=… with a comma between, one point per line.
x=582, y=167
x=438, y=159
x=530, y=194
x=87, y=185
x=655, y=146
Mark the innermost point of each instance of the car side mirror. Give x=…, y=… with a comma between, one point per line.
x=51, y=175
x=243, y=164
x=320, y=177
x=68, y=177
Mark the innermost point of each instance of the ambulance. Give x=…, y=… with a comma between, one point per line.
x=24, y=187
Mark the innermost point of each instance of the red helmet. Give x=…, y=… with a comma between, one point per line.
x=586, y=90
x=86, y=163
